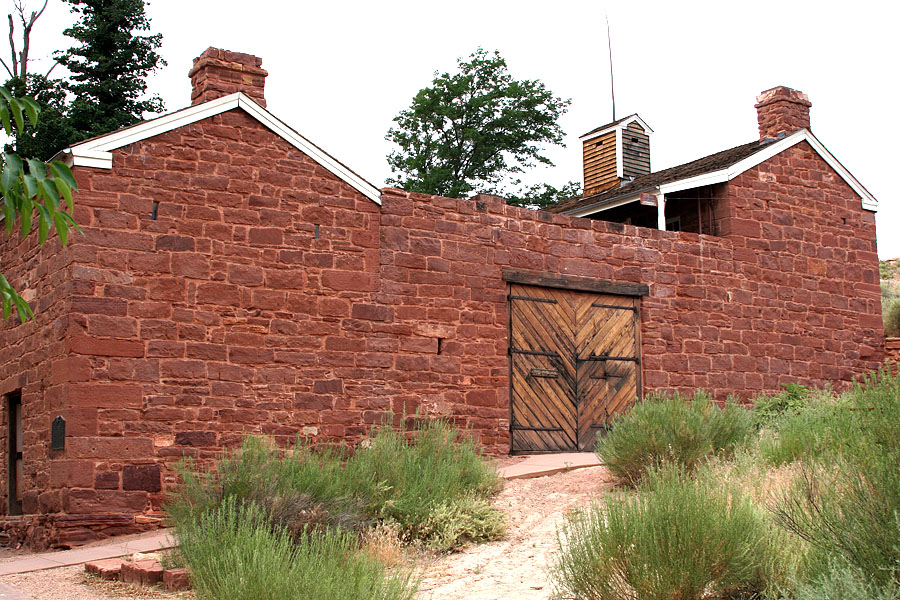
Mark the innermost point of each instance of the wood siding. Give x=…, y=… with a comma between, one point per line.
x=600, y=163
x=635, y=151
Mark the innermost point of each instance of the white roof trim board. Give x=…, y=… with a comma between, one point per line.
x=868, y=200
x=97, y=152
x=621, y=125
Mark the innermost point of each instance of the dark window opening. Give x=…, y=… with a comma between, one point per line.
x=691, y=211
x=14, y=451
x=633, y=213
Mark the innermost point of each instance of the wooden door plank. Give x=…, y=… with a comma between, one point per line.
x=542, y=342
x=605, y=327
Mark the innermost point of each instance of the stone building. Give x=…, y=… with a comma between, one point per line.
x=233, y=278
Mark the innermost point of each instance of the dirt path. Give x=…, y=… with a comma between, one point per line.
x=516, y=567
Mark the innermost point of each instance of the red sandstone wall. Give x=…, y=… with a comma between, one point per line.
x=31, y=358
x=270, y=297
x=230, y=313
x=892, y=349
x=807, y=249
x=731, y=315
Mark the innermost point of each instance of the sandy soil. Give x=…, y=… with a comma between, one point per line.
x=516, y=567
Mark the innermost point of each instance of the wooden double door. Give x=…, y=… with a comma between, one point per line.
x=574, y=363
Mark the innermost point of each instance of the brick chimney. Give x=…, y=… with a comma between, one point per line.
x=781, y=109
x=217, y=73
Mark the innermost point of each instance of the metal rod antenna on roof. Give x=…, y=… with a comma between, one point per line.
x=612, y=87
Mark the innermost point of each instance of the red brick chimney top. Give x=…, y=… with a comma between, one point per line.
x=781, y=109
x=217, y=73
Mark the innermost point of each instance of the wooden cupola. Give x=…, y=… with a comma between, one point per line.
x=615, y=153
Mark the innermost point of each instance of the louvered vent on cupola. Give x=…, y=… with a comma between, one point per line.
x=617, y=152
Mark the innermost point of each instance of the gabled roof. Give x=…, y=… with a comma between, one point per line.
x=715, y=168
x=97, y=152
x=619, y=124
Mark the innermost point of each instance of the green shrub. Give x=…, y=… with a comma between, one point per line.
x=395, y=477
x=235, y=554
x=260, y=473
x=821, y=428
x=767, y=410
x=890, y=316
x=677, y=539
x=662, y=429
x=405, y=482
x=848, y=507
x=841, y=583
x=454, y=523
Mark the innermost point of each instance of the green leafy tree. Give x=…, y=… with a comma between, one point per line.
x=30, y=187
x=110, y=66
x=53, y=131
x=541, y=196
x=473, y=129
x=50, y=94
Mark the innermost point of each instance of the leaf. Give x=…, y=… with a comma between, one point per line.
x=26, y=213
x=4, y=118
x=64, y=190
x=43, y=223
x=25, y=312
x=16, y=107
x=62, y=170
x=49, y=192
x=37, y=168
x=62, y=228
x=30, y=184
x=32, y=109
x=12, y=160
x=9, y=213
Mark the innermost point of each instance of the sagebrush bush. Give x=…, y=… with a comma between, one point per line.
x=235, y=554
x=405, y=482
x=673, y=429
x=822, y=428
x=393, y=478
x=840, y=582
x=454, y=523
x=848, y=506
x=890, y=316
x=677, y=539
x=767, y=410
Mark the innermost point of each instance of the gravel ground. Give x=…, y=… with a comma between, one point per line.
x=71, y=583
x=516, y=566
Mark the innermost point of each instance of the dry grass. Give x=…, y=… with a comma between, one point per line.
x=760, y=482
x=383, y=543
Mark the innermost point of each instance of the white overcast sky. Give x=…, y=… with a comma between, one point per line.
x=340, y=71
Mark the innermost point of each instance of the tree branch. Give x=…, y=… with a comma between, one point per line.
x=36, y=16
x=3, y=62
x=12, y=46
x=50, y=70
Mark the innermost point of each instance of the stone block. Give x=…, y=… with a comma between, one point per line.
x=142, y=572
x=109, y=569
x=176, y=580
x=143, y=477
